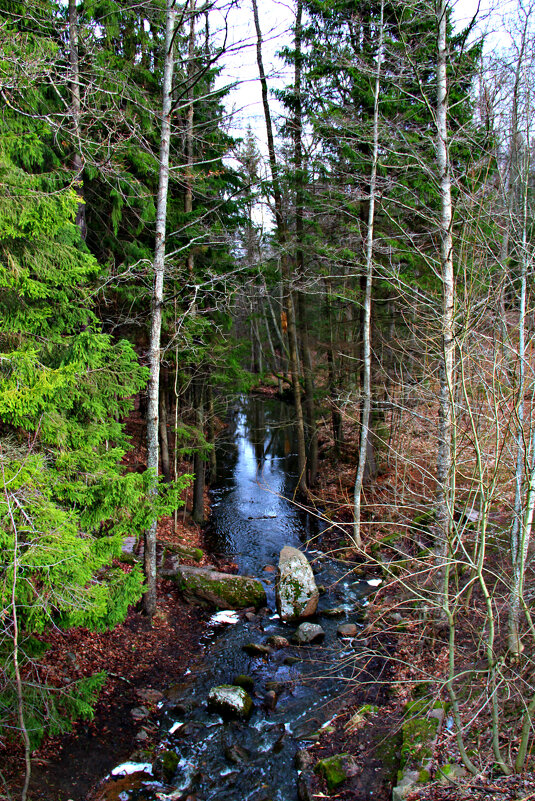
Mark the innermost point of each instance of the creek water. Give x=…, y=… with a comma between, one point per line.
x=296, y=690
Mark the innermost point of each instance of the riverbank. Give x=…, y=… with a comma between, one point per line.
x=142, y=660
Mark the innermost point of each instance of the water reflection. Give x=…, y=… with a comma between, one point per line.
x=253, y=513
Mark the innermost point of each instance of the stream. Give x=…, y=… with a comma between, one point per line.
x=296, y=690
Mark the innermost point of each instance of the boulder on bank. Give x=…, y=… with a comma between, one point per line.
x=227, y=699
x=336, y=769
x=296, y=592
x=222, y=590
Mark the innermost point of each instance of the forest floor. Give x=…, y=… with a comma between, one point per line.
x=143, y=661
x=400, y=624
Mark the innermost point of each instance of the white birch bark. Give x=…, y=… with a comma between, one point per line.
x=523, y=507
x=149, y=599
x=367, y=351
x=444, y=499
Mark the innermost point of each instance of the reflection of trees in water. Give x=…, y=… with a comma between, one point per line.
x=267, y=423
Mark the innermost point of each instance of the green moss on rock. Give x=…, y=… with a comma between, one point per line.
x=336, y=769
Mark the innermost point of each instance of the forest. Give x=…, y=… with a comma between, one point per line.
x=360, y=253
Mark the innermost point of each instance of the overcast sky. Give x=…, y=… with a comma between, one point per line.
x=276, y=18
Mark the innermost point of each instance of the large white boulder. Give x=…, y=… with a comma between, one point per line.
x=296, y=591
x=230, y=700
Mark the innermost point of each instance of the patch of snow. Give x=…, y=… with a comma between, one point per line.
x=175, y=727
x=132, y=767
x=225, y=616
x=374, y=582
x=327, y=723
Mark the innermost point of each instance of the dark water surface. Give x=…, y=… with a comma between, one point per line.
x=254, y=516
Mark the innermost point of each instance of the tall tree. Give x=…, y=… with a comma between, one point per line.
x=149, y=600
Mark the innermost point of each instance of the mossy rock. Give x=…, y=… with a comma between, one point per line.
x=336, y=769
x=388, y=751
x=446, y=774
x=185, y=551
x=244, y=681
x=230, y=701
x=418, y=740
x=385, y=541
x=220, y=590
x=166, y=765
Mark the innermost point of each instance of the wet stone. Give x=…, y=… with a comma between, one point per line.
x=308, y=633
x=270, y=699
x=149, y=695
x=230, y=700
x=304, y=786
x=335, y=611
x=256, y=649
x=296, y=592
x=276, y=641
x=236, y=754
x=303, y=759
x=140, y=713
x=244, y=681
x=347, y=630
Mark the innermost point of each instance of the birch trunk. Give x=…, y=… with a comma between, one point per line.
x=366, y=346
x=444, y=495
x=523, y=508
x=149, y=599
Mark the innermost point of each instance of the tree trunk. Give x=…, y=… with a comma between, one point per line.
x=75, y=97
x=520, y=537
x=309, y=408
x=164, y=440
x=444, y=495
x=334, y=392
x=365, y=438
x=286, y=278
x=199, y=462
x=149, y=599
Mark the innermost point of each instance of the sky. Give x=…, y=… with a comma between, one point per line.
x=276, y=18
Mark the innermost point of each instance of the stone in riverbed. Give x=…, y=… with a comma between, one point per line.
x=230, y=701
x=347, y=630
x=308, y=633
x=244, y=681
x=221, y=590
x=296, y=592
x=276, y=641
x=257, y=649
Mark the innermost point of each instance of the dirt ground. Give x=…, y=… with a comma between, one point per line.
x=142, y=661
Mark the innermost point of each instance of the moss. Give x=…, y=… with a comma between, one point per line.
x=334, y=769
x=234, y=591
x=389, y=539
x=418, y=738
x=388, y=752
x=169, y=763
x=230, y=701
x=244, y=681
